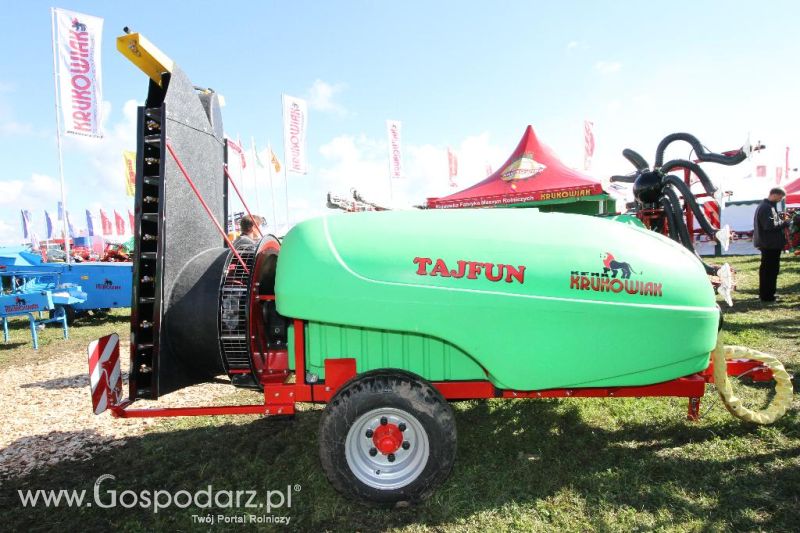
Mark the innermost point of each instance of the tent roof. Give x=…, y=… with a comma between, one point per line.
x=793, y=192
x=533, y=173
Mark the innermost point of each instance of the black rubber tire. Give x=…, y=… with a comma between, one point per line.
x=400, y=390
x=68, y=309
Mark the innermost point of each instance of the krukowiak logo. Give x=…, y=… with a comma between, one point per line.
x=20, y=305
x=107, y=285
x=471, y=270
x=607, y=280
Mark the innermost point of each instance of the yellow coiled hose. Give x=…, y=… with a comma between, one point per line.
x=783, y=384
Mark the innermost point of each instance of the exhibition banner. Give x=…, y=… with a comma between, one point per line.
x=77, y=49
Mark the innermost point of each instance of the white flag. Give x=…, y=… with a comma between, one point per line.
x=393, y=128
x=77, y=46
x=295, y=121
x=588, y=144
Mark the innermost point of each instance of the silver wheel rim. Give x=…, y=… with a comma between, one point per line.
x=376, y=470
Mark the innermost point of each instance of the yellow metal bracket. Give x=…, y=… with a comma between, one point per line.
x=144, y=55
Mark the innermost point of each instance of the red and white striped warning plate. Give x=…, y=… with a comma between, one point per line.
x=711, y=210
x=105, y=376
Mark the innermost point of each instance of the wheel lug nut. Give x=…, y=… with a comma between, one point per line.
x=401, y=426
x=369, y=433
x=373, y=452
x=384, y=421
x=390, y=457
x=406, y=445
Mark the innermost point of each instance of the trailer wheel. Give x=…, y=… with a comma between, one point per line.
x=60, y=310
x=387, y=437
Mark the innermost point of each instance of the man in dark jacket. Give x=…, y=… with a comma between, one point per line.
x=768, y=236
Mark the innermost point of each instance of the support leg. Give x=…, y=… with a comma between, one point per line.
x=34, y=333
x=64, y=325
x=694, y=410
x=5, y=329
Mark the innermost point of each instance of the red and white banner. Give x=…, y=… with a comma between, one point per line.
x=119, y=222
x=237, y=147
x=452, y=166
x=105, y=377
x=761, y=171
x=787, y=164
x=77, y=48
x=393, y=129
x=295, y=124
x=588, y=144
x=106, y=223
x=131, y=220
x=778, y=175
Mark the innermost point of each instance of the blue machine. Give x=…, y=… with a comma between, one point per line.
x=107, y=285
x=29, y=292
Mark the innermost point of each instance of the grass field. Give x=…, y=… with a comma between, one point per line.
x=555, y=465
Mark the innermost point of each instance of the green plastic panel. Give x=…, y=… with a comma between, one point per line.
x=373, y=349
x=564, y=322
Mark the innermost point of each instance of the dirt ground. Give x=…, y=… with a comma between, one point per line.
x=46, y=413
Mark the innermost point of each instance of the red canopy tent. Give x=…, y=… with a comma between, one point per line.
x=793, y=192
x=532, y=176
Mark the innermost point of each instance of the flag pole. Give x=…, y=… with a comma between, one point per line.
x=271, y=187
x=58, y=137
x=255, y=174
x=285, y=161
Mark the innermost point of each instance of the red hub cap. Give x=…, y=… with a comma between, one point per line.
x=387, y=438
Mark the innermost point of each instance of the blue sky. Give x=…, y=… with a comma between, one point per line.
x=470, y=75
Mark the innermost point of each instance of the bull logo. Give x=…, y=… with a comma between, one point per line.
x=107, y=285
x=610, y=264
x=77, y=25
x=20, y=301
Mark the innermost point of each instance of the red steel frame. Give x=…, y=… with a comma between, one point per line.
x=280, y=398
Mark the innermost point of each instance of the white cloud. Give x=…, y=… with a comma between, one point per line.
x=574, y=45
x=321, y=95
x=37, y=193
x=38, y=189
x=105, y=155
x=608, y=67
x=93, y=172
x=9, y=233
x=361, y=163
x=12, y=127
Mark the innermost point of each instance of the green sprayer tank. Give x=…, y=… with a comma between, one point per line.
x=528, y=300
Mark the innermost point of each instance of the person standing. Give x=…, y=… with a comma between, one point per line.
x=248, y=230
x=768, y=236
